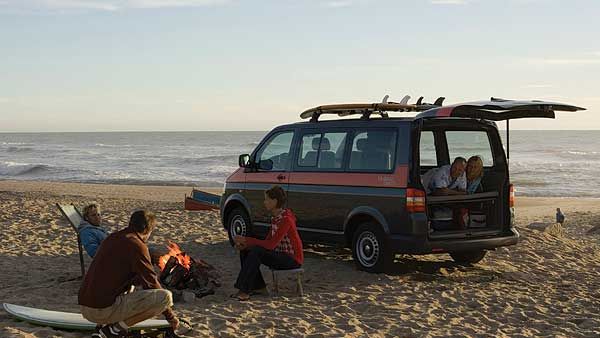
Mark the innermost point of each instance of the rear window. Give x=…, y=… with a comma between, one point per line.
x=470, y=143
x=373, y=150
x=427, y=152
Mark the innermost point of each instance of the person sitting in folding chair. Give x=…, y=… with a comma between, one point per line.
x=282, y=249
x=91, y=232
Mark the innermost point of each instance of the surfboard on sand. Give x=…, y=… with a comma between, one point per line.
x=71, y=321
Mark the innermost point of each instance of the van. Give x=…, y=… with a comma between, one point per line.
x=357, y=181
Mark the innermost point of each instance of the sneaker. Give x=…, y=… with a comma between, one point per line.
x=96, y=333
x=112, y=331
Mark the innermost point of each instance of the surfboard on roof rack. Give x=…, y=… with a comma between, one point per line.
x=367, y=109
x=364, y=109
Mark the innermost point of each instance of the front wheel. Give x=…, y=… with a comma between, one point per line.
x=370, y=249
x=468, y=257
x=238, y=224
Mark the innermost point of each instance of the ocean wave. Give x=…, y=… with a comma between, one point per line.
x=103, y=145
x=576, y=153
x=529, y=183
x=22, y=169
x=151, y=182
x=14, y=149
x=16, y=144
x=220, y=159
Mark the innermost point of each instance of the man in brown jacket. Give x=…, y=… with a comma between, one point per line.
x=121, y=262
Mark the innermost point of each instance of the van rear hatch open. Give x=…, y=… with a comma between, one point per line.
x=486, y=211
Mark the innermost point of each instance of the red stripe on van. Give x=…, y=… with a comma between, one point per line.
x=238, y=176
x=444, y=112
x=398, y=179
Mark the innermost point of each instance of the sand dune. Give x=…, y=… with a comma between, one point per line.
x=544, y=286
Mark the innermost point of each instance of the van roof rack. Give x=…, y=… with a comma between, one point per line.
x=368, y=109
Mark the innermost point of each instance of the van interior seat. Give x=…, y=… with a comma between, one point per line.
x=310, y=158
x=378, y=156
x=327, y=157
x=356, y=156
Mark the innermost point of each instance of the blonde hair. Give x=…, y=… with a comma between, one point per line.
x=88, y=208
x=478, y=170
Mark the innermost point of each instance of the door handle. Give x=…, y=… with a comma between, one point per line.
x=281, y=177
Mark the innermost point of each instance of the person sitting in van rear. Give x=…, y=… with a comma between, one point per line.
x=281, y=249
x=474, y=174
x=448, y=179
x=90, y=231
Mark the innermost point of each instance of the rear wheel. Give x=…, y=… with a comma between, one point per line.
x=369, y=248
x=468, y=257
x=238, y=224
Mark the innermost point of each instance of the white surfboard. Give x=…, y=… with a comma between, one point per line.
x=70, y=320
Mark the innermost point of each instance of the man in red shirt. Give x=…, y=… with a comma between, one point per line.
x=121, y=262
x=282, y=249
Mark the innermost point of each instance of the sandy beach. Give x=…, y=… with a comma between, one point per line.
x=546, y=286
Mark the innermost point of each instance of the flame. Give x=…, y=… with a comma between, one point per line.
x=175, y=251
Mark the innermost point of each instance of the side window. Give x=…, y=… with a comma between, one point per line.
x=470, y=143
x=373, y=150
x=276, y=150
x=331, y=152
x=427, y=149
x=325, y=151
x=309, y=148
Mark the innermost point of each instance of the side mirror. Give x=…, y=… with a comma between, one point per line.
x=265, y=165
x=244, y=160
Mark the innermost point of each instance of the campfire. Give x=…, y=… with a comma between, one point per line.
x=180, y=272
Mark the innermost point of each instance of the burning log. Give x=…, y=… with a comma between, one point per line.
x=165, y=274
x=179, y=272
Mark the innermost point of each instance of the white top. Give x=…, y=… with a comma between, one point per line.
x=439, y=178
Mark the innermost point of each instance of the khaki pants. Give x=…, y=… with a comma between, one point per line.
x=142, y=303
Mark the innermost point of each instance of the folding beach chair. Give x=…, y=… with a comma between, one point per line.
x=74, y=216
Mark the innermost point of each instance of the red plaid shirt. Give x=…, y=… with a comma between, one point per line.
x=283, y=236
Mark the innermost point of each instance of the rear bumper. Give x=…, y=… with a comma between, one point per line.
x=423, y=245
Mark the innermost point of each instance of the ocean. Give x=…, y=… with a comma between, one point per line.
x=542, y=163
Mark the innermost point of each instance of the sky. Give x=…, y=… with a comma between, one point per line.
x=184, y=65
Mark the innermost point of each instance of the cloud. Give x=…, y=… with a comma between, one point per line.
x=538, y=86
x=102, y=5
x=448, y=2
x=568, y=61
x=338, y=4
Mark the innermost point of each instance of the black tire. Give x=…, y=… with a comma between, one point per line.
x=370, y=249
x=238, y=224
x=468, y=257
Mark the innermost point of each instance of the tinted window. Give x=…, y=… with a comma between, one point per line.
x=470, y=143
x=277, y=150
x=373, y=150
x=331, y=151
x=427, y=149
x=309, y=148
x=325, y=151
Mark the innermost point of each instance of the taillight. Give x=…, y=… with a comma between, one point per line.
x=415, y=200
x=511, y=198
